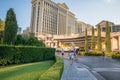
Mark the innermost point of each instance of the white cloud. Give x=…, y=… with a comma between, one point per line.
x=109, y=1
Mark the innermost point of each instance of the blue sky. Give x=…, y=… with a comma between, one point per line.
x=89, y=11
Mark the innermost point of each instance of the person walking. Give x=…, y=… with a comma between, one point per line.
x=72, y=56
x=76, y=53
x=103, y=54
x=62, y=51
x=69, y=54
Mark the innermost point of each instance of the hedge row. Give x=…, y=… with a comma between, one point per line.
x=20, y=54
x=91, y=53
x=116, y=56
x=55, y=72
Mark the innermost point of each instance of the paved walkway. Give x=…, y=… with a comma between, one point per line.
x=76, y=71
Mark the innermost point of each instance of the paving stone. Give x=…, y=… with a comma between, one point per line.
x=75, y=71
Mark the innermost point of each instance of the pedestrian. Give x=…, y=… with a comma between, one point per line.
x=76, y=53
x=69, y=54
x=103, y=54
x=72, y=56
x=62, y=51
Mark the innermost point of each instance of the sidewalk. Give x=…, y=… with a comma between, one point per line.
x=76, y=71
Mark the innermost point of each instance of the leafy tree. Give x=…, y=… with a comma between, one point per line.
x=86, y=41
x=1, y=30
x=31, y=41
x=107, y=39
x=20, y=40
x=99, y=39
x=93, y=39
x=10, y=27
x=2, y=25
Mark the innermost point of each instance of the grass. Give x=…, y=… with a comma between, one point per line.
x=31, y=71
x=54, y=72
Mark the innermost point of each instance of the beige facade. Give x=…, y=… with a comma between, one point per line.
x=71, y=23
x=115, y=40
x=44, y=17
x=62, y=18
x=50, y=18
x=115, y=34
x=81, y=26
x=79, y=40
x=103, y=25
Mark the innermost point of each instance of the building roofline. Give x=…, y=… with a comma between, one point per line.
x=61, y=4
x=104, y=21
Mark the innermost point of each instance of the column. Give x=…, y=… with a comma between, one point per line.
x=119, y=42
x=114, y=43
x=56, y=44
x=113, y=47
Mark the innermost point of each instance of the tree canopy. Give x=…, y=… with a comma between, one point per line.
x=2, y=25
x=10, y=27
x=107, y=38
x=99, y=45
x=86, y=41
x=93, y=39
x=30, y=41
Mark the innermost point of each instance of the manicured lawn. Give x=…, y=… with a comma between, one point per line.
x=54, y=72
x=30, y=71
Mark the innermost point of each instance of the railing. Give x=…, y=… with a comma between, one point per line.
x=77, y=35
x=115, y=34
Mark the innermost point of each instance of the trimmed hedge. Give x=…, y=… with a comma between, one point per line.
x=20, y=54
x=55, y=72
x=90, y=53
x=116, y=56
x=93, y=54
x=110, y=54
x=81, y=53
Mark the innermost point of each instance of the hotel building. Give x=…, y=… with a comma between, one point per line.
x=50, y=18
x=115, y=34
x=56, y=25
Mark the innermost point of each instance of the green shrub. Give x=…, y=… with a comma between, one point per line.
x=109, y=54
x=20, y=54
x=91, y=53
x=55, y=72
x=30, y=41
x=81, y=53
x=98, y=53
x=116, y=56
x=3, y=62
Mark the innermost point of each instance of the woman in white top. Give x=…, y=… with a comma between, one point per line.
x=72, y=56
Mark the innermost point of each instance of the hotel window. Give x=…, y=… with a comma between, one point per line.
x=39, y=3
x=103, y=29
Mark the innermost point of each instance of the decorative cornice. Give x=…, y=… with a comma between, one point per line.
x=63, y=5
x=105, y=21
x=33, y=1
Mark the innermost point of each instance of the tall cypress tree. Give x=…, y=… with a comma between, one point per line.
x=93, y=39
x=86, y=41
x=10, y=27
x=1, y=30
x=107, y=39
x=1, y=25
x=99, y=46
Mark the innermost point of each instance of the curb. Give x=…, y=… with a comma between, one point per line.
x=95, y=74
